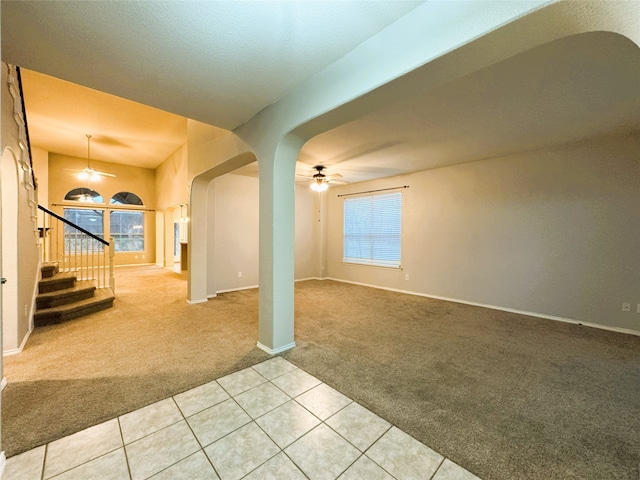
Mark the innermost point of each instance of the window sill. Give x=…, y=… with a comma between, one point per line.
x=371, y=265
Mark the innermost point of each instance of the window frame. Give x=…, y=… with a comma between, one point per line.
x=380, y=244
x=120, y=236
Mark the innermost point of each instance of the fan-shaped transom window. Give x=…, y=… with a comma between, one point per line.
x=85, y=195
x=125, y=198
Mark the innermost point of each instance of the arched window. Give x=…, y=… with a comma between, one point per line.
x=125, y=198
x=85, y=195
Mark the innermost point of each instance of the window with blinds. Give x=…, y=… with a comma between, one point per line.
x=373, y=229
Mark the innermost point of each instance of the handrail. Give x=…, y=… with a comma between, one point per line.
x=71, y=224
x=26, y=126
x=75, y=250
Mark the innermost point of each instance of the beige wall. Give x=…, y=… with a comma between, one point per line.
x=19, y=237
x=140, y=181
x=236, y=233
x=551, y=232
x=172, y=190
x=172, y=183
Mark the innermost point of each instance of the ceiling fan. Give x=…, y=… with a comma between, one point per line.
x=89, y=173
x=320, y=181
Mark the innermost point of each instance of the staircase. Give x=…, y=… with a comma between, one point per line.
x=62, y=297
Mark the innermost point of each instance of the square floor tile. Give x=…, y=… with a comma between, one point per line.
x=323, y=401
x=241, y=451
x=403, y=456
x=358, y=425
x=112, y=466
x=216, y=422
x=195, y=467
x=295, y=382
x=76, y=449
x=149, y=419
x=26, y=466
x=287, y=423
x=274, y=367
x=322, y=454
x=365, y=468
x=278, y=468
x=241, y=381
x=197, y=399
x=451, y=471
x=161, y=449
x=262, y=399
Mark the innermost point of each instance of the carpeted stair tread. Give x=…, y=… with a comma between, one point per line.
x=80, y=291
x=102, y=299
x=49, y=270
x=60, y=281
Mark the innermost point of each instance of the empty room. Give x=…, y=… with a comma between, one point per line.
x=320, y=240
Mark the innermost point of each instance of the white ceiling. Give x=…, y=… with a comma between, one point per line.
x=222, y=61
x=562, y=92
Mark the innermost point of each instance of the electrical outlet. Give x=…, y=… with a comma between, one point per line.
x=239, y=274
x=626, y=307
x=26, y=310
x=406, y=277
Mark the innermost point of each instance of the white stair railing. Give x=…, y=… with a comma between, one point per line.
x=76, y=250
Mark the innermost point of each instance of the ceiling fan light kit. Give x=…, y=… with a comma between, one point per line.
x=319, y=182
x=88, y=173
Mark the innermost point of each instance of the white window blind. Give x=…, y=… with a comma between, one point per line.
x=373, y=229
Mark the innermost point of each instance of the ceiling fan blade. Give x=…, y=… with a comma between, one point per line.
x=104, y=174
x=338, y=182
x=334, y=175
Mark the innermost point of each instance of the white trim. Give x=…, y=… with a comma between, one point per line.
x=3, y=463
x=135, y=264
x=212, y=296
x=193, y=302
x=308, y=278
x=251, y=287
x=274, y=351
x=2, y=385
x=494, y=307
x=15, y=351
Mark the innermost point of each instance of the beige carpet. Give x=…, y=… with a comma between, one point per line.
x=505, y=396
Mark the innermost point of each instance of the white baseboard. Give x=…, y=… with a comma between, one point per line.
x=494, y=307
x=250, y=287
x=193, y=302
x=15, y=351
x=2, y=385
x=133, y=265
x=3, y=463
x=275, y=351
x=308, y=278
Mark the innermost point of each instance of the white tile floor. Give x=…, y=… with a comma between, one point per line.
x=270, y=421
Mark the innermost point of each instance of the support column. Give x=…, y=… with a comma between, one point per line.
x=198, y=241
x=277, y=240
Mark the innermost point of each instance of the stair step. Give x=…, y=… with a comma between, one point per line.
x=80, y=291
x=102, y=299
x=49, y=270
x=61, y=281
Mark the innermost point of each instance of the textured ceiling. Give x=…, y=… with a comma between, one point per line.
x=61, y=113
x=562, y=92
x=221, y=61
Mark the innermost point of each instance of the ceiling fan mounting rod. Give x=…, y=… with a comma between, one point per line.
x=88, y=150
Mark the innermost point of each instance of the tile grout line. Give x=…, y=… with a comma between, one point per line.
x=439, y=466
x=195, y=436
x=44, y=460
x=126, y=457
